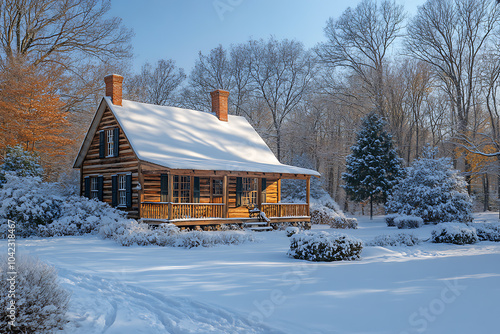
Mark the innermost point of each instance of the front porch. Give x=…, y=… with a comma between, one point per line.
x=188, y=214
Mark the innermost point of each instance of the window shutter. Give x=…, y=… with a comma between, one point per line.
x=129, y=190
x=116, y=141
x=264, y=192
x=102, y=143
x=114, y=190
x=164, y=188
x=239, y=190
x=196, y=189
x=87, y=187
x=100, y=184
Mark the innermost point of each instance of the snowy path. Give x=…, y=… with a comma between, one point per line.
x=101, y=305
x=242, y=289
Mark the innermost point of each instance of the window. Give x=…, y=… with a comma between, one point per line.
x=122, y=190
x=249, y=191
x=217, y=187
x=110, y=140
x=182, y=189
x=94, y=188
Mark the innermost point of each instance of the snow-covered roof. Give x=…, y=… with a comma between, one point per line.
x=188, y=139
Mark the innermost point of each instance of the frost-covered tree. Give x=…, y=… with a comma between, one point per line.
x=432, y=190
x=373, y=166
x=21, y=162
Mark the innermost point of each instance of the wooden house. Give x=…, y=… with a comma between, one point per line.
x=191, y=168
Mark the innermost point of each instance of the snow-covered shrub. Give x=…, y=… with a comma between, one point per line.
x=344, y=223
x=323, y=246
x=41, y=304
x=291, y=231
x=20, y=162
x=80, y=215
x=131, y=232
x=408, y=222
x=322, y=214
x=29, y=202
x=433, y=191
x=389, y=219
x=400, y=239
x=454, y=233
x=487, y=231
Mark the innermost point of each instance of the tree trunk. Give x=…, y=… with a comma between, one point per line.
x=371, y=207
x=486, y=189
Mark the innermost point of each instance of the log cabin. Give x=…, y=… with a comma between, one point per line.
x=187, y=167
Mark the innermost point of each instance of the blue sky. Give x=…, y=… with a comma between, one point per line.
x=178, y=29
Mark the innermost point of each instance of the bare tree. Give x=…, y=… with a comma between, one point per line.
x=282, y=72
x=45, y=30
x=360, y=39
x=156, y=85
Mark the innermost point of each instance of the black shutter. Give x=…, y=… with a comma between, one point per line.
x=101, y=144
x=164, y=188
x=100, y=184
x=239, y=190
x=87, y=187
x=114, y=190
x=116, y=141
x=129, y=190
x=264, y=192
x=196, y=189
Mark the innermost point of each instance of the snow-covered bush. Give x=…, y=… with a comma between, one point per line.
x=389, y=219
x=408, y=222
x=131, y=232
x=41, y=304
x=291, y=231
x=20, y=162
x=344, y=222
x=454, y=233
x=400, y=239
x=487, y=231
x=322, y=214
x=323, y=246
x=38, y=208
x=29, y=202
x=433, y=191
x=80, y=215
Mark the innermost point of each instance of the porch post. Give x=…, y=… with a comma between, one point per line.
x=225, y=193
x=170, y=194
x=308, y=193
x=259, y=194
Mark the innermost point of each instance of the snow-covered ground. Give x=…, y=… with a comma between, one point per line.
x=256, y=288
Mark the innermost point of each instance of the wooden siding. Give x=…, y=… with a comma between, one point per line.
x=126, y=162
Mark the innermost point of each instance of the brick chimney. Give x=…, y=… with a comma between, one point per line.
x=219, y=103
x=114, y=88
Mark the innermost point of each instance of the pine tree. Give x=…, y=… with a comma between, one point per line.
x=432, y=190
x=21, y=162
x=374, y=166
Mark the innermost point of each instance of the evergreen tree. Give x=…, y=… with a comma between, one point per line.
x=374, y=166
x=21, y=162
x=432, y=190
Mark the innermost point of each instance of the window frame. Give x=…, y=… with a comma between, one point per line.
x=249, y=190
x=122, y=190
x=94, y=187
x=110, y=142
x=217, y=184
x=181, y=189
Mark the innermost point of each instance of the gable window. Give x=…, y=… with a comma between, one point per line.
x=182, y=189
x=110, y=143
x=249, y=191
x=122, y=190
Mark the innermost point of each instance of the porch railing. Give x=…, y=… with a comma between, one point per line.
x=273, y=210
x=160, y=210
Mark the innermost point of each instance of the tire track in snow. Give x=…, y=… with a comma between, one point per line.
x=107, y=306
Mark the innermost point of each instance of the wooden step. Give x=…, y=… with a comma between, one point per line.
x=261, y=228
x=256, y=224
